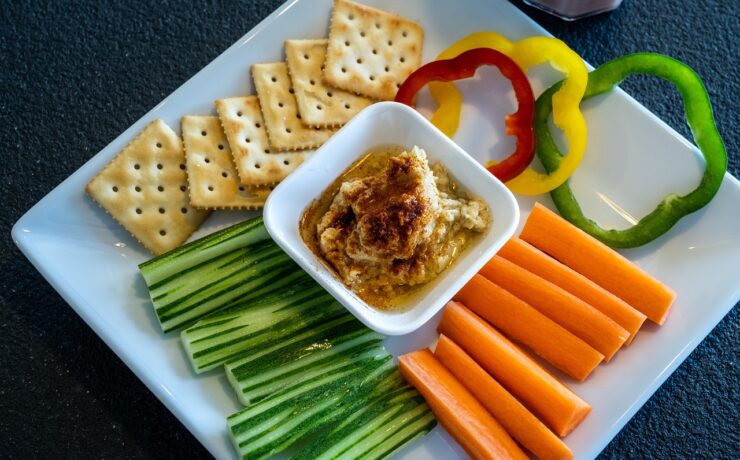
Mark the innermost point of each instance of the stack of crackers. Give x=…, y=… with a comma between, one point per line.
x=161, y=187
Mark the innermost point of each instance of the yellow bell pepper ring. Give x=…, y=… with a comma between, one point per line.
x=565, y=103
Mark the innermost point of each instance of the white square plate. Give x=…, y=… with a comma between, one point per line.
x=633, y=159
x=395, y=124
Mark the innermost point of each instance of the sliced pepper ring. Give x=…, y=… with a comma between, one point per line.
x=566, y=110
x=518, y=124
x=699, y=118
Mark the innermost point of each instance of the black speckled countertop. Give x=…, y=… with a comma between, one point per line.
x=74, y=75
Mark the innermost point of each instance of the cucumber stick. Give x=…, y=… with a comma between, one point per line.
x=320, y=400
x=220, y=338
x=226, y=268
x=377, y=430
x=204, y=249
x=324, y=347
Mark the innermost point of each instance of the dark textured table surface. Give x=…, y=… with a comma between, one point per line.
x=76, y=74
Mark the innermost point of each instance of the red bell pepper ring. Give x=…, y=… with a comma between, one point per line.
x=518, y=124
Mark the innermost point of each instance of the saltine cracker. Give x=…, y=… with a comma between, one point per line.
x=285, y=129
x=242, y=121
x=371, y=52
x=212, y=178
x=318, y=104
x=144, y=188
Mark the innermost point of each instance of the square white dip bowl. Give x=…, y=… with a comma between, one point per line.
x=397, y=124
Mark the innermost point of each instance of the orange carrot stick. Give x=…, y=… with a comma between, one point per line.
x=601, y=264
x=575, y=315
x=526, y=325
x=456, y=409
x=530, y=258
x=554, y=403
x=518, y=421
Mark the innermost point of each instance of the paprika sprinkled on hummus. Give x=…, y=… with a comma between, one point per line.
x=392, y=223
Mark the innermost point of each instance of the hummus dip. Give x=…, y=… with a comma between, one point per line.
x=391, y=223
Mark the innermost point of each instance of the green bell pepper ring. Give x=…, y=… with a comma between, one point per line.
x=699, y=118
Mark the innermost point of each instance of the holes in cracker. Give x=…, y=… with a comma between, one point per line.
x=183, y=188
x=329, y=94
x=182, y=166
x=241, y=188
x=162, y=232
x=346, y=106
x=305, y=56
x=203, y=133
x=404, y=34
x=402, y=59
x=239, y=113
x=312, y=82
x=377, y=25
x=280, y=104
x=160, y=188
x=362, y=34
x=387, y=69
x=267, y=150
x=359, y=60
x=375, y=51
x=220, y=146
x=298, y=116
x=351, y=16
x=159, y=145
x=257, y=125
x=291, y=91
x=247, y=140
x=115, y=189
x=159, y=166
x=137, y=166
x=161, y=210
x=138, y=189
x=138, y=211
x=286, y=162
x=224, y=174
x=257, y=165
x=210, y=188
x=184, y=210
x=273, y=79
x=346, y=43
x=288, y=130
x=318, y=107
x=371, y=77
x=390, y=42
x=344, y=70
x=207, y=160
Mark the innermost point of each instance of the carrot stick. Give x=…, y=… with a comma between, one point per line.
x=456, y=409
x=530, y=258
x=554, y=403
x=575, y=315
x=601, y=264
x=526, y=325
x=518, y=421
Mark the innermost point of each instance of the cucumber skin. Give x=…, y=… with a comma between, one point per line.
x=250, y=230
x=353, y=393
x=161, y=273
x=216, y=292
x=319, y=346
x=297, y=319
x=398, y=402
